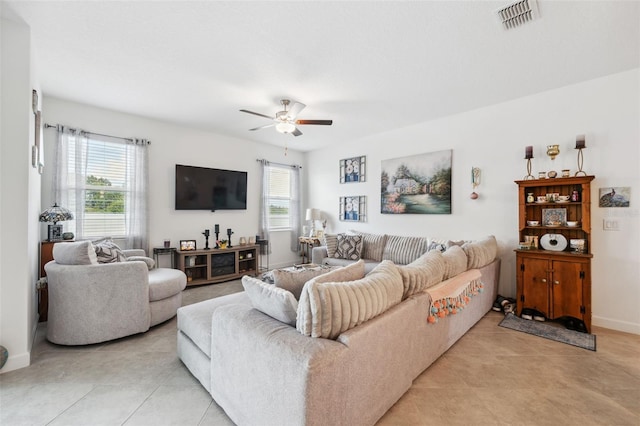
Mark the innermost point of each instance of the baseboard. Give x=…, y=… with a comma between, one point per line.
x=16, y=362
x=614, y=324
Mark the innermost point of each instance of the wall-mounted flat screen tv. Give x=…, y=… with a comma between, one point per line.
x=201, y=188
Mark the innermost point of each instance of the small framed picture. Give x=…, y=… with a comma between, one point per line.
x=353, y=169
x=353, y=208
x=187, y=245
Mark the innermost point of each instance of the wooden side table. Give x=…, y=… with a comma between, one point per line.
x=306, y=245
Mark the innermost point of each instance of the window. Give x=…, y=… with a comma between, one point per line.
x=279, y=198
x=103, y=181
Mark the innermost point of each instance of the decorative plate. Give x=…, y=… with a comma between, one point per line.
x=553, y=242
x=557, y=217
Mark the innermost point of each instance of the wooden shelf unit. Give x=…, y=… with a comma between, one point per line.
x=218, y=265
x=556, y=283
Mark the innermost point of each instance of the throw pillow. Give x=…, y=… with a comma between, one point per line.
x=349, y=247
x=331, y=241
x=76, y=253
x=372, y=245
x=276, y=302
x=294, y=280
x=481, y=253
x=455, y=261
x=327, y=309
x=149, y=261
x=404, y=250
x=355, y=271
x=109, y=252
x=435, y=245
x=422, y=273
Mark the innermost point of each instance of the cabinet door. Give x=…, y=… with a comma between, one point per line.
x=535, y=286
x=566, y=289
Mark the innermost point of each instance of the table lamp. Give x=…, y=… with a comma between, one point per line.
x=55, y=214
x=313, y=215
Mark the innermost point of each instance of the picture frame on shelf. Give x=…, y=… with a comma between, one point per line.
x=353, y=208
x=187, y=245
x=353, y=169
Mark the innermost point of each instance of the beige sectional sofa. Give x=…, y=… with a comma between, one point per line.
x=347, y=349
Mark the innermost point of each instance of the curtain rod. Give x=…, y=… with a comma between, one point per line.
x=279, y=164
x=57, y=126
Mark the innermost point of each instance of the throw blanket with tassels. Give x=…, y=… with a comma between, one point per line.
x=453, y=295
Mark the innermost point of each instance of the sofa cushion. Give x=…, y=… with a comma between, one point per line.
x=75, y=253
x=348, y=247
x=328, y=309
x=293, y=279
x=422, y=273
x=108, y=251
x=481, y=253
x=455, y=261
x=195, y=320
x=165, y=282
x=404, y=250
x=274, y=301
x=331, y=242
x=372, y=245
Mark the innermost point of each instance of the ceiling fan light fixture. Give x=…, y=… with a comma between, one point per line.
x=285, y=127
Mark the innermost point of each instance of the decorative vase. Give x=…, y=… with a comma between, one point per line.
x=243, y=241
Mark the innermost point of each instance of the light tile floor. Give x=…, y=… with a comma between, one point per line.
x=492, y=376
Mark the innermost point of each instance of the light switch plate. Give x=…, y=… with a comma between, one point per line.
x=610, y=225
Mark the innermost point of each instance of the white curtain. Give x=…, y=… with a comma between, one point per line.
x=294, y=208
x=263, y=226
x=75, y=149
x=136, y=210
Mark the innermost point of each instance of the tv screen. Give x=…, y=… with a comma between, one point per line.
x=201, y=188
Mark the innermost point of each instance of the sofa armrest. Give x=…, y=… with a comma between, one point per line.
x=96, y=303
x=318, y=254
x=134, y=252
x=266, y=372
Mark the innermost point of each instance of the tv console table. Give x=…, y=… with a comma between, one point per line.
x=218, y=265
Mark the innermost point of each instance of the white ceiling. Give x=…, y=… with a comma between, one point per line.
x=369, y=66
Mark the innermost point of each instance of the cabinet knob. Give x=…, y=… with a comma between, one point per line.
x=544, y=280
x=556, y=282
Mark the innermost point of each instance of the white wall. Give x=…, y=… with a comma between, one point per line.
x=173, y=145
x=19, y=197
x=494, y=139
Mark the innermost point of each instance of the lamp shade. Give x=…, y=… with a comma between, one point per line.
x=313, y=214
x=55, y=214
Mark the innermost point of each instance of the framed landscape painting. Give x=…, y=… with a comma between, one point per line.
x=418, y=184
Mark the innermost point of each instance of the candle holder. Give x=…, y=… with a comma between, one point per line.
x=229, y=233
x=206, y=236
x=580, y=145
x=528, y=155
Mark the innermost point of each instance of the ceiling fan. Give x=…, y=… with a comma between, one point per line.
x=285, y=120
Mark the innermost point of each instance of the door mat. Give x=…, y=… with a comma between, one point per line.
x=548, y=331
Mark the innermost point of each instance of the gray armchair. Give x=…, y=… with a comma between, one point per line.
x=92, y=303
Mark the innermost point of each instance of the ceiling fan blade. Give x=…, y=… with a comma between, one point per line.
x=295, y=109
x=296, y=132
x=256, y=113
x=321, y=122
x=263, y=127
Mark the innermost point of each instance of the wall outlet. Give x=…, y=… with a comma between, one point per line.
x=610, y=225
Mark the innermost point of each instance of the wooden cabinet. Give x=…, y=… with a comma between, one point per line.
x=555, y=280
x=218, y=265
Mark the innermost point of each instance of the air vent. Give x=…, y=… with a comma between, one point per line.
x=518, y=13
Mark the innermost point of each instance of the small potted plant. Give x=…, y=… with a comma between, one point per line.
x=222, y=244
